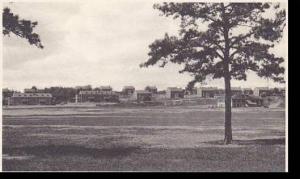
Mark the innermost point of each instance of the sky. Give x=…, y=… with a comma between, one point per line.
x=97, y=43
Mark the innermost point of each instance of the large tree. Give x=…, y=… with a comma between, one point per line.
x=222, y=40
x=20, y=27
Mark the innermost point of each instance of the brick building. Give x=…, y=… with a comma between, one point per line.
x=97, y=96
x=30, y=99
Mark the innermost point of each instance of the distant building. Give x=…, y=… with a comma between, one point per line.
x=160, y=95
x=33, y=90
x=86, y=87
x=236, y=91
x=30, y=99
x=191, y=91
x=128, y=90
x=243, y=100
x=282, y=91
x=142, y=96
x=207, y=92
x=238, y=100
x=6, y=94
x=261, y=91
x=97, y=96
x=29, y=90
x=105, y=88
x=174, y=93
x=247, y=91
x=220, y=101
x=151, y=89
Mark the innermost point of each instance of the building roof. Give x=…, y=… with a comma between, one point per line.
x=262, y=88
x=142, y=92
x=32, y=95
x=105, y=87
x=249, y=89
x=208, y=88
x=161, y=92
x=97, y=92
x=236, y=88
x=83, y=87
x=128, y=87
x=175, y=89
x=151, y=87
x=30, y=90
x=5, y=90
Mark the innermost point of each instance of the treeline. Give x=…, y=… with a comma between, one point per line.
x=62, y=94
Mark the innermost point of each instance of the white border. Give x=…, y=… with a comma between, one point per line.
x=286, y=61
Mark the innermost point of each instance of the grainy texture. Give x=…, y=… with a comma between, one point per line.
x=142, y=139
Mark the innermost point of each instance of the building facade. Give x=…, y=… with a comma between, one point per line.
x=261, y=91
x=247, y=91
x=174, y=93
x=151, y=89
x=30, y=99
x=236, y=91
x=97, y=96
x=207, y=92
x=128, y=90
x=142, y=96
x=105, y=88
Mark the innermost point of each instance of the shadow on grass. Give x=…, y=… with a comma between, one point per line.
x=276, y=141
x=72, y=150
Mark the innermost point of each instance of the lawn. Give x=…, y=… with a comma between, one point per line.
x=142, y=139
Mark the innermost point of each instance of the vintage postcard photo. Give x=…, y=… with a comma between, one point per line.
x=144, y=86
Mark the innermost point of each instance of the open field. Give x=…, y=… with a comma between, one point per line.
x=141, y=139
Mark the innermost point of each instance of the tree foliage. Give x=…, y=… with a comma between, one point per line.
x=237, y=34
x=20, y=27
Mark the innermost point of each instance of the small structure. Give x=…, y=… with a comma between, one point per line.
x=207, y=92
x=128, y=90
x=174, y=93
x=98, y=96
x=261, y=91
x=30, y=99
x=141, y=96
x=151, y=89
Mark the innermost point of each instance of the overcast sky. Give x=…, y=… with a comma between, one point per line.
x=99, y=43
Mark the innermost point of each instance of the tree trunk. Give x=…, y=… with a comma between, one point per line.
x=228, y=129
x=227, y=78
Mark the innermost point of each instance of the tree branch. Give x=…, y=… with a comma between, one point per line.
x=240, y=38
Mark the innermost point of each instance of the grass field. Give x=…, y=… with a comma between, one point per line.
x=142, y=139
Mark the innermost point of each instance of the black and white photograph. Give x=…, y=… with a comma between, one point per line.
x=144, y=86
